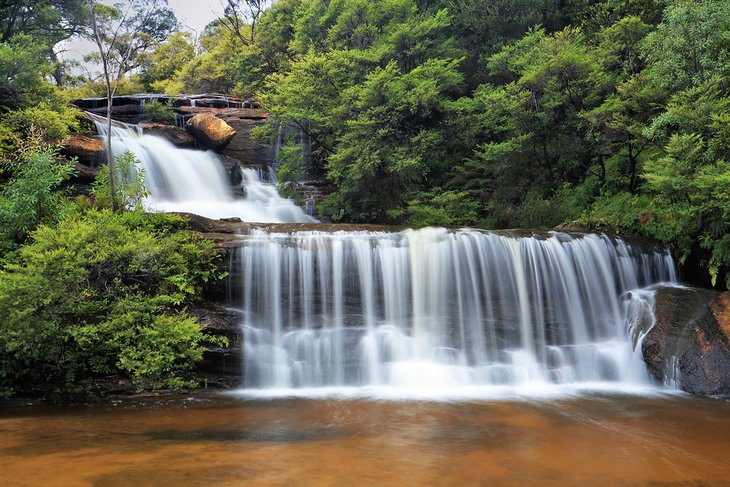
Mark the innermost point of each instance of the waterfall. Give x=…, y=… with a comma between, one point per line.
x=435, y=309
x=194, y=181
x=416, y=310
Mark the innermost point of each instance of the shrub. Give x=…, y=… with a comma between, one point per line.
x=100, y=294
x=160, y=112
x=130, y=184
x=31, y=197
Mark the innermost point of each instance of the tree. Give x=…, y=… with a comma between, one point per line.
x=161, y=67
x=121, y=33
x=241, y=16
x=48, y=21
x=691, y=45
x=22, y=68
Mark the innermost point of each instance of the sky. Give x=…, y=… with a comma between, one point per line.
x=193, y=15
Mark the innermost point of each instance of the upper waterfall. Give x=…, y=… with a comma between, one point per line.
x=193, y=181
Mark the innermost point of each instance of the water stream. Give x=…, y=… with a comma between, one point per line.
x=194, y=181
x=431, y=313
x=222, y=441
x=439, y=313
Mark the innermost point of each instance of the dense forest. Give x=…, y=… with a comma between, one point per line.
x=508, y=113
x=611, y=115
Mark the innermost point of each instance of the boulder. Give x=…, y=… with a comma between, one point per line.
x=210, y=131
x=88, y=150
x=690, y=339
x=175, y=135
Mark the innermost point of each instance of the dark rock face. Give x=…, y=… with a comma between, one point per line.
x=244, y=146
x=221, y=366
x=175, y=135
x=210, y=131
x=88, y=150
x=691, y=334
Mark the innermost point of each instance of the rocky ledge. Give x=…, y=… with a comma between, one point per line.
x=221, y=366
x=690, y=340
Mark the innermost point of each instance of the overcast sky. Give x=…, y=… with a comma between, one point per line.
x=193, y=15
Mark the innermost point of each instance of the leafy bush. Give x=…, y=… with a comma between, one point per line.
x=160, y=112
x=100, y=294
x=439, y=207
x=130, y=184
x=53, y=120
x=31, y=198
x=23, y=65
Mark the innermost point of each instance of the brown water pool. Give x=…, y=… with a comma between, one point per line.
x=218, y=440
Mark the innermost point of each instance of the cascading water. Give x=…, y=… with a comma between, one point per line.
x=427, y=311
x=439, y=310
x=196, y=182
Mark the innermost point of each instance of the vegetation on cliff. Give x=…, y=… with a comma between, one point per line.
x=499, y=114
x=508, y=113
x=511, y=113
x=87, y=294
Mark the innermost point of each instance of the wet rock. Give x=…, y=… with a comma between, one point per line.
x=221, y=365
x=84, y=174
x=210, y=131
x=122, y=111
x=244, y=146
x=88, y=150
x=691, y=338
x=175, y=135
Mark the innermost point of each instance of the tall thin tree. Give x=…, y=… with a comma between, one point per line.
x=121, y=32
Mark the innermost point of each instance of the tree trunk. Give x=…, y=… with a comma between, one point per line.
x=109, y=101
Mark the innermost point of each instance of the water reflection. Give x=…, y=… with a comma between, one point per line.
x=222, y=440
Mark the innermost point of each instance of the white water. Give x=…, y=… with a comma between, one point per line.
x=193, y=181
x=424, y=313
x=435, y=313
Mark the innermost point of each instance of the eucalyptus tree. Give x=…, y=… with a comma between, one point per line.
x=121, y=33
x=241, y=16
x=48, y=21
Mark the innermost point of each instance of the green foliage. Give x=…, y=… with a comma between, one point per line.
x=31, y=197
x=291, y=168
x=102, y=293
x=691, y=45
x=26, y=99
x=166, y=62
x=97, y=88
x=439, y=207
x=49, y=21
x=22, y=68
x=130, y=186
x=160, y=112
x=54, y=120
x=213, y=71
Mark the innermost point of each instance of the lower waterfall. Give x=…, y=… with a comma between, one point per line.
x=435, y=309
x=430, y=311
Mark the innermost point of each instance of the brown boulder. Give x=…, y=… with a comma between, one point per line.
x=175, y=135
x=210, y=131
x=88, y=150
x=691, y=339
